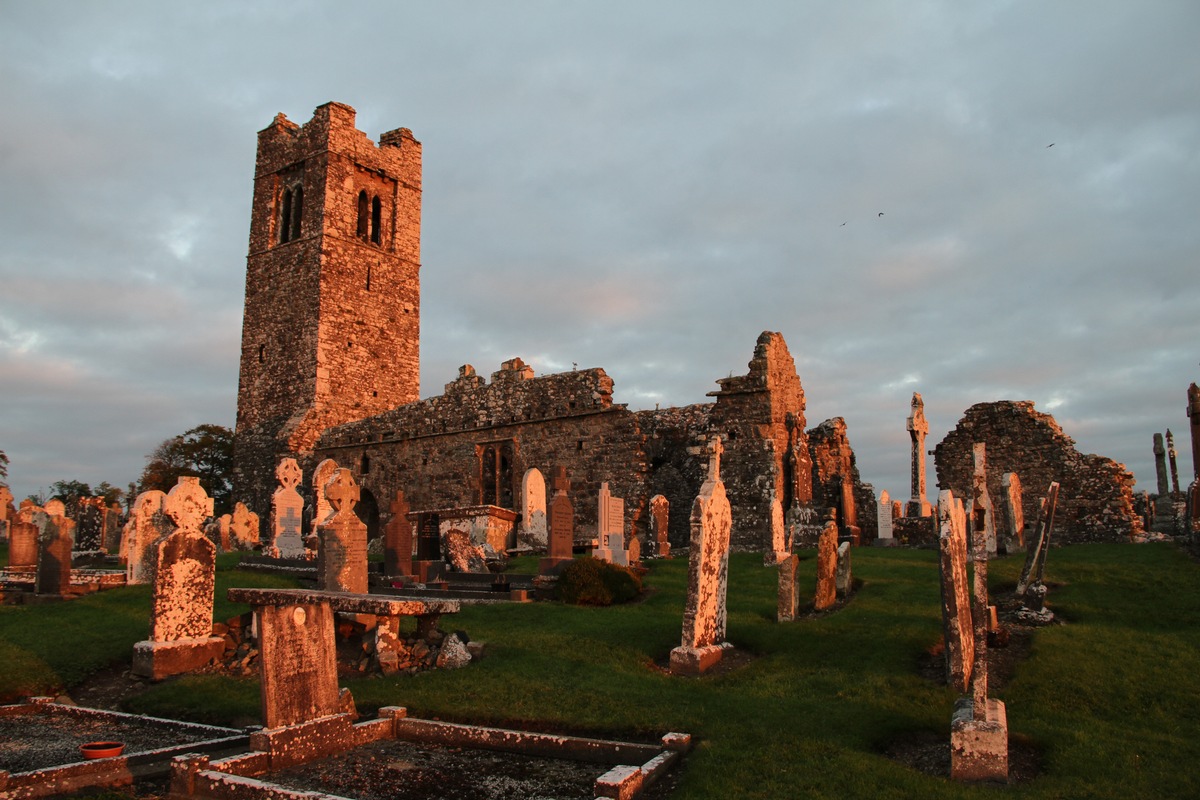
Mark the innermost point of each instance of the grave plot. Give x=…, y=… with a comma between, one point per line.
x=40, y=744
x=311, y=734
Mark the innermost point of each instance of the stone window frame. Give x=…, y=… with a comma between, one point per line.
x=291, y=210
x=496, y=459
x=369, y=220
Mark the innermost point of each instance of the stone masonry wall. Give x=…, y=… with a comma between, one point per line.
x=1095, y=501
x=433, y=449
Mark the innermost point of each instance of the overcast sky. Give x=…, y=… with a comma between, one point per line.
x=977, y=201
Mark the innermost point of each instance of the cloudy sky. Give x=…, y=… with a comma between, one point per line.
x=977, y=201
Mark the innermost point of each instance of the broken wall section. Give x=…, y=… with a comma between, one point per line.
x=833, y=464
x=1096, y=497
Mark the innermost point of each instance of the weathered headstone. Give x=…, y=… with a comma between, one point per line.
x=562, y=526
x=703, y=637
x=918, y=427
x=845, y=580
x=89, y=528
x=299, y=663
x=827, y=545
x=56, y=508
x=243, y=528
x=979, y=726
x=1160, y=464
x=610, y=528
x=1014, y=515
x=780, y=547
x=322, y=474
x=1193, y=414
x=1171, y=455
x=218, y=532
x=342, y=563
x=111, y=526
x=957, y=627
x=980, y=497
x=1030, y=586
x=147, y=526
x=660, y=514
x=398, y=539
x=883, y=517
x=785, y=610
x=181, y=637
x=287, y=509
x=533, y=508
x=23, y=540
x=850, y=532
x=56, y=539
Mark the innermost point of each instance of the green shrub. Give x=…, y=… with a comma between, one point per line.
x=592, y=582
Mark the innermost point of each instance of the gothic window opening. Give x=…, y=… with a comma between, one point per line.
x=495, y=474
x=285, y=217
x=376, y=219
x=289, y=214
x=363, y=215
x=364, y=466
x=297, y=208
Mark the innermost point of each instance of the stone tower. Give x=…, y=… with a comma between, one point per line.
x=331, y=331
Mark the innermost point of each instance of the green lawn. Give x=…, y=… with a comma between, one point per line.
x=1110, y=698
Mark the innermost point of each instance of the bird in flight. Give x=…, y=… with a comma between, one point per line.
x=1050, y=145
x=881, y=213
x=843, y=224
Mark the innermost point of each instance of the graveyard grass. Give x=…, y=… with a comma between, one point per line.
x=1108, y=699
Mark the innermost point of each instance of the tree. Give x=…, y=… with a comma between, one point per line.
x=205, y=452
x=3, y=466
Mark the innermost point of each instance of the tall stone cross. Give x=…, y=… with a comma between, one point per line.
x=918, y=506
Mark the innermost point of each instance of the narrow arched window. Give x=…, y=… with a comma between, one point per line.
x=297, y=209
x=376, y=218
x=364, y=465
x=363, y=211
x=368, y=277
x=285, y=217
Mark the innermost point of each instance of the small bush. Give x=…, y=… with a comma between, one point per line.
x=592, y=582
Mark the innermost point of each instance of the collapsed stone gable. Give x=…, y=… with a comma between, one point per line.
x=1095, y=501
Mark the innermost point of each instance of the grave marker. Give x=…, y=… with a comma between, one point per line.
x=562, y=526
x=533, y=508
x=957, y=626
x=398, y=539
x=883, y=529
x=980, y=497
x=56, y=539
x=703, y=637
x=611, y=528
x=181, y=637
x=918, y=427
x=147, y=526
x=827, y=547
x=23, y=540
x=785, y=610
x=321, y=476
x=1014, y=514
x=287, y=510
x=243, y=528
x=660, y=514
x=780, y=547
x=342, y=564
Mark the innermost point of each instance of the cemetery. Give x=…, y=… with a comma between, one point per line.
x=518, y=588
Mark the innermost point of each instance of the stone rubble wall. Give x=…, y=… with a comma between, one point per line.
x=1096, y=496
x=832, y=458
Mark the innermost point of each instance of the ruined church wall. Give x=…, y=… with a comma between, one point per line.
x=432, y=449
x=1095, y=500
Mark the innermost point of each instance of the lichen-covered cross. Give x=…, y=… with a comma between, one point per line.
x=562, y=484
x=342, y=492
x=399, y=506
x=288, y=473
x=188, y=504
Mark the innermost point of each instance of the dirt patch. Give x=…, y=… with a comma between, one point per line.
x=108, y=689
